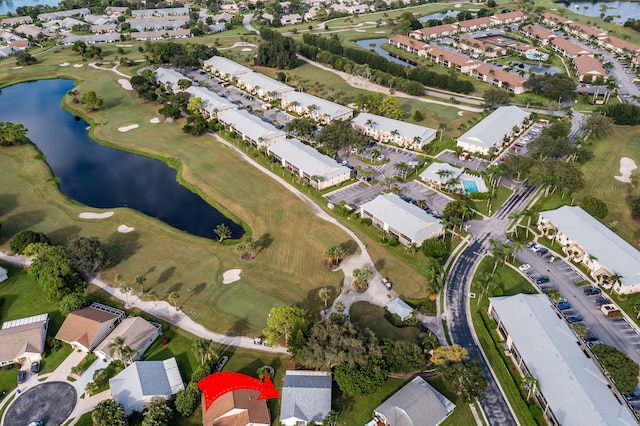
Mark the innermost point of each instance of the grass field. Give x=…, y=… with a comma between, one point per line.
x=366, y=315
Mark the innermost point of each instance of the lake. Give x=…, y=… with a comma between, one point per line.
x=377, y=42
x=99, y=176
x=12, y=5
x=619, y=10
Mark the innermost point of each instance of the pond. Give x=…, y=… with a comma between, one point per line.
x=535, y=69
x=375, y=44
x=99, y=176
x=12, y=5
x=619, y=10
x=438, y=16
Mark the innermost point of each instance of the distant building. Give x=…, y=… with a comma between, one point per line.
x=409, y=223
x=306, y=397
x=61, y=14
x=588, y=66
x=262, y=86
x=491, y=131
x=211, y=102
x=4, y=274
x=171, y=11
x=439, y=174
x=408, y=44
x=316, y=108
x=400, y=308
x=158, y=23
x=225, y=68
x=17, y=20
x=450, y=59
x=160, y=35
x=169, y=78
x=23, y=339
x=401, y=133
x=538, y=33
x=499, y=78
x=250, y=127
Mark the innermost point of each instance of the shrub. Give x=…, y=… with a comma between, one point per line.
x=393, y=242
x=366, y=221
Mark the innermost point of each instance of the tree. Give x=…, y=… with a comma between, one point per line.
x=362, y=276
x=453, y=353
x=595, y=207
x=597, y=125
x=196, y=125
x=222, y=231
x=173, y=298
x=284, y=322
x=325, y=294
x=72, y=302
x=158, y=413
x=119, y=346
x=125, y=288
x=91, y=101
x=335, y=254
x=204, y=350
x=55, y=273
x=195, y=106
x=464, y=379
x=339, y=306
x=12, y=134
x=22, y=239
x=435, y=248
x=108, y=413
x=153, y=296
x=457, y=208
x=496, y=97
x=170, y=110
x=622, y=370
x=529, y=384
x=248, y=246
x=187, y=400
x=360, y=380
x=140, y=280
x=333, y=416
x=24, y=58
x=404, y=357
x=429, y=340
x=89, y=254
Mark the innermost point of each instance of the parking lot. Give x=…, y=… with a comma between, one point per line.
x=355, y=195
x=472, y=163
x=416, y=191
x=519, y=146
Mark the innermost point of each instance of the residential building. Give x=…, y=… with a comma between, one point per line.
x=23, y=340
x=555, y=21
x=568, y=49
x=138, y=335
x=438, y=31
x=440, y=174
x=586, y=240
x=69, y=23
x=480, y=47
x=585, y=32
x=171, y=11
x=589, y=66
x=169, y=78
x=291, y=19
x=536, y=32
x=158, y=35
x=400, y=308
x=508, y=17
x=85, y=328
x=135, y=386
x=499, y=78
x=408, y=44
x=230, y=7
x=30, y=30
x=475, y=24
x=415, y=404
x=262, y=86
x=158, y=23
x=101, y=29
x=225, y=68
x=314, y=107
x=115, y=11
x=306, y=397
x=491, y=131
x=401, y=133
x=17, y=20
x=61, y=14
x=98, y=20
x=4, y=274
x=405, y=221
x=250, y=127
x=91, y=39
x=211, y=102
x=570, y=389
x=450, y=59
x=304, y=161
x=619, y=46
x=237, y=408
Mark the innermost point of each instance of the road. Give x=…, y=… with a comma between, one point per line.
x=494, y=404
x=246, y=22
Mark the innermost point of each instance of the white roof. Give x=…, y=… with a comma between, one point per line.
x=399, y=307
x=210, y=101
x=25, y=321
x=324, y=107
x=384, y=124
x=431, y=172
x=307, y=159
x=167, y=75
x=226, y=66
x=306, y=395
x=571, y=383
x=492, y=129
x=599, y=241
x=249, y=124
x=136, y=331
x=402, y=217
x=266, y=84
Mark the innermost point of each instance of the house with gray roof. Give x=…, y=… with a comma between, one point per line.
x=571, y=388
x=262, y=86
x=23, y=339
x=250, y=127
x=304, y=161
x=306, y=397
x=169, y=77
x=135, y=386
x=212, y=103
x=225, y=68
x=400, y=308
x=138, y=334
x=405, y=221
x=4, y=274
x=162, y=34
x=61, y=14
x=586, y=240
x=439, y=174
x=92, y=39
x=415, y=404
x=401, y=133
x=170, y=11
x=491, y=131
x=314, y=107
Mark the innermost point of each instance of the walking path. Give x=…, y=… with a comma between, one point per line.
x=113, y=69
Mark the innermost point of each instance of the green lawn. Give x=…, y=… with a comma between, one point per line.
x=53, y=359
x=255, y=304
x=366, y=315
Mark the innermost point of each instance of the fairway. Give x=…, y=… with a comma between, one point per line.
x=254, y=304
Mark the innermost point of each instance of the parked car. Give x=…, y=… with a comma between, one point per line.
x=221, y=363
x=601, y=300
x=36, y=423
x=529, y=244
x=552, y=259
x=564, y=306
x=524, y=267
x=344, y=162
x=35, y=367
x=22, y=376
x=591, y=291
x=590, y=337
x=573, y=318
x=562, y=300
x=536, y=247
x=632, y=396
x=542, y=251
x=542, y=279
x=380, y=157
x=386, y=283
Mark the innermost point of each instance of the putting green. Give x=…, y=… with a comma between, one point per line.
x=242, y=298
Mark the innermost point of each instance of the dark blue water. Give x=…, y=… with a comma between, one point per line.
x=619, y=10
x=12, y=5
x=377, y=42
x=99, y=176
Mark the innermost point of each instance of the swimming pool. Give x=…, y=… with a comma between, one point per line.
x=470, y=186
x=537, y=56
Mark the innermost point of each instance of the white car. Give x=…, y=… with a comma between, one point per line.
x=524, y=267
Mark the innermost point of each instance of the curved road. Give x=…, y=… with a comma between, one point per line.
x=494, y=404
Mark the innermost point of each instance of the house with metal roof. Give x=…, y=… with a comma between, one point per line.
x=237, y=408
x=169, y=77
x=211, y=102
x=135, y=386
x=586, y=240
x=401, y=133
x=314, y=107
x=415, y=404
x=400, y=308
x=87, y=327
x=158, y=23
x=22, y=340
x=571, y=388
x=4, y=274
x=262, y=86
x=439, y=174
x=405, y=221
x=306, y=397
x=491, y=131
x=225, y=68
x=138, y=335
x=304, y=161
x=250, y=127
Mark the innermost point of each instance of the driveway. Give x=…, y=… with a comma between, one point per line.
x=51, y=402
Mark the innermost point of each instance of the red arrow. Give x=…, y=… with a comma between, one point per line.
x=215, y=385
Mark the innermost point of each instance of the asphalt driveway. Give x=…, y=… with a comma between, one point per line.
x=50, y=402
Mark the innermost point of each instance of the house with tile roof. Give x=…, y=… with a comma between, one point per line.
x=86, y=328
x=237, y=408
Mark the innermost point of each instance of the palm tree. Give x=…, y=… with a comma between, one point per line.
x=222, y=231
x=119, y=346
x=429, y=340
x=264, y=371
x=325, y=294
x=140, y=280
x=340, y=306
x=204, y=350
x=248, y=246
x=403, y=167
x=488, y=283
x=173, y=299
x=125, y=288
x=153, y=295
x=362, y=276
x=442, y=127
x=412, y=249
x=554, y=295
x=516, y=247
x=529, y=383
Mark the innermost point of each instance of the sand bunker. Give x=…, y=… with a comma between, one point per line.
x=154, y=120
x=458, y=5
x=127, y=128
x=379, y=32
x=126, y=84
x=246, y=49
x=124, y=229
x=460, y=113
x=370, y=23
x=123, y=45
x=64, y=64
x=231, y=276
x=78, y=65
x=627, y=165
x=91, y=215
x=361, y=31
x=16, y=68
